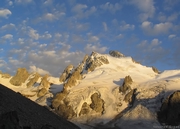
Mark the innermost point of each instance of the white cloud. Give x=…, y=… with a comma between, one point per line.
x=48, y=2
x=111, y=7
x=157, y=29
x=33, y=34
x=23, y=1
x=78, y=8
x=5, y=12
x=7, y=36
x=146, y=7
x=151, y=52
x=10, y=3
x=49, y=17
x=33, y=68
x=171, y=36
x=125, y=26
x=119, y=36
x=105, y=26
x=8, y=26
x=82, y=10
x=97, y=48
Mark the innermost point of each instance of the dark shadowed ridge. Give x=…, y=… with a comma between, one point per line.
x=29, y=113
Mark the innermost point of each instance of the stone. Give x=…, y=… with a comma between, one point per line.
x=42, y=92
x=20, y=77
x=85, y=109
x=44, y=82
x=66, y=74
x=97, y=103
x=169, y=112
x=58, y=99
x=155, y=69
x=66, y=111
x=95, y=61
x=116, y=54
x=33, y=80
x=5, y=75
x=130, y=97
x=126, y=84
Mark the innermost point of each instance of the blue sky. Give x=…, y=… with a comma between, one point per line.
x=47, y=35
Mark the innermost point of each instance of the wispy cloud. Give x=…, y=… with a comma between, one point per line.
x=5, y=13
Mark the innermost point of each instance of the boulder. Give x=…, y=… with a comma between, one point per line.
x=20, y=77
x=33, y=80
x=169, y=112
x=126, y=84
x=97, y=103
x=66, y=74
x=116, y=54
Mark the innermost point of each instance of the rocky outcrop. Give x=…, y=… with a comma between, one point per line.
x=130, y=97
x=5, y=75
x=155, y=69
x=116, y=54
x=169, y=112
x=20, y=77
x=97, y=103
x=126, y=84
x=85, y=109
x=33, y=80
x=66, y=74
x=27, y=113
x=45, y=86
x=95, y=61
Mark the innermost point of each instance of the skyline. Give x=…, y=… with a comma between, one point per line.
x=47, y=35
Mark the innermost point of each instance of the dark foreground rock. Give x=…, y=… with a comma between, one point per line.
x=18, y=111
x=169, y=112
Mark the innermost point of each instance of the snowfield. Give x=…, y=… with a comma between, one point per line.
x=105, y=80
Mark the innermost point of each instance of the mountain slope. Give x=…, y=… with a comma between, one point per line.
x=30, y=114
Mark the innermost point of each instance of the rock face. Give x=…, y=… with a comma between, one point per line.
x=66, y=74
x=45, y=86
x=5, y=75
x=20, y=77
x=155, y=70
x=169, y=112
x=33, y=80
x=126, y=84
x=95, y=61
x=116, y=54
x=97, y=103
x=85, y=109
x=130, y=97
x=29, y=113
